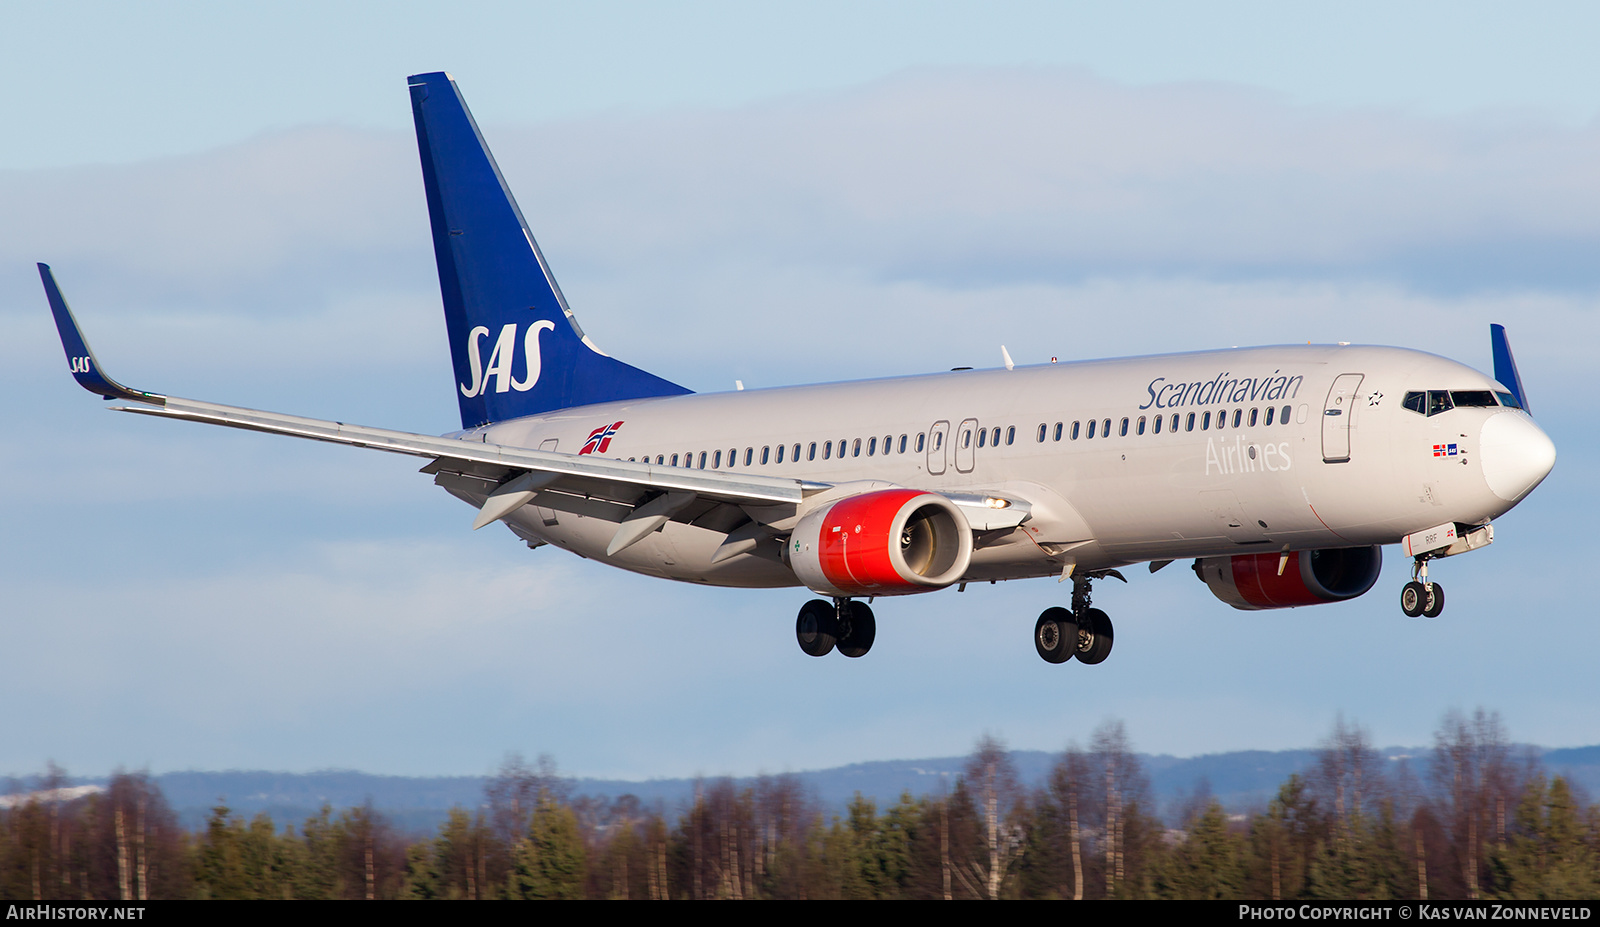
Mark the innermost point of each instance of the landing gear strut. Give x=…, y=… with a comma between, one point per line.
x=1421, y=597
x=1084, y=632
x=822, y=625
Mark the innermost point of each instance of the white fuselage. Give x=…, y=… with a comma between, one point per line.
x=1349, y=467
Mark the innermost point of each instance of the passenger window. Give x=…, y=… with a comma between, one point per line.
x=733, y=456
x=749, y=454
x=716, y=461
x=1237, y=414
x=794, y=456
x=811, y=451
x=872, y=446
x=902, y=444
x=1058, y=431
x=1472, y=398
x=1157, y=425
x=1416, y=401
x=1173, y=425
x=1091, y=430
x=1283, y=416
x=1270, y=410
x=674, y=460
x=1105, y=428
x=702, y=460
x=1042, y=429
x=1189, y=424
x=1205, y=421
x=1253, y=417
x=857, y=451
x=827, y=449
x=919, y=442
x=1074, y=431
x=983, y=435
x=1011, y=434
x=780, y=454
x=766, y=454
x=994, y=440
x=1124, y=431
x=938, y=441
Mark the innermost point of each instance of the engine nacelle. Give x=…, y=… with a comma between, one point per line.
x=1311, y=577
x=889, y=542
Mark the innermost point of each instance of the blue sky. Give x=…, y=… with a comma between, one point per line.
x=778, y=194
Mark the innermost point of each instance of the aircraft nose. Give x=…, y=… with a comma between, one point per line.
x=1517, y=455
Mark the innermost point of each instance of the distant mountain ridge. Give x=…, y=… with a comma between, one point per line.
x=1243, y=781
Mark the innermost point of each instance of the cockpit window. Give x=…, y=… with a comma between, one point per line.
x=1435, y=401
x=1473, y=398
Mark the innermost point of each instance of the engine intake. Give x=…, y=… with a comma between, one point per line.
x=1311, y=577
x=889, y=542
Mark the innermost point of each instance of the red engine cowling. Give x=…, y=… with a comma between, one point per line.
x=889, y=542
x=1311, y=577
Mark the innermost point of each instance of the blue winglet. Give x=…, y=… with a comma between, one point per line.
x=516, y=347
x=80, y=360
x=1505, y=366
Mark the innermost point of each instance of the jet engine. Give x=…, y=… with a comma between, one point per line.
x=888, y=542
x=1310, y=577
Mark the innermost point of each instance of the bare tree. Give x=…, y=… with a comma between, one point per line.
x=992, y=780
x=1473, y=773
x=1070, y=778
x=1349, y=775
x=1122, y=783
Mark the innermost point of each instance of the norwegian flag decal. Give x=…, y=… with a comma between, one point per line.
x=600, y=439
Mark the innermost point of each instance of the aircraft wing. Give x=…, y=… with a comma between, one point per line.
x=617, y=490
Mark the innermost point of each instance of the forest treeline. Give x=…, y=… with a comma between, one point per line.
x=1473, y=820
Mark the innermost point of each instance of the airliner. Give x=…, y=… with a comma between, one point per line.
x=1281, y=472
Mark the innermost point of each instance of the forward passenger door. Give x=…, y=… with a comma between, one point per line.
x=1336, y=412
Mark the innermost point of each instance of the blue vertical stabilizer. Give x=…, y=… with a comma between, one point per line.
x=516, y=348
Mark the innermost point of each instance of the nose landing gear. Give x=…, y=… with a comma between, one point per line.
x=1421, y=597
x=847, y=625
x=1084, y=632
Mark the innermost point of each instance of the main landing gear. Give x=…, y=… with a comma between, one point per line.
x=1421, y=597
x=844, y=624
x=1084, y=632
